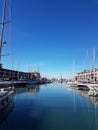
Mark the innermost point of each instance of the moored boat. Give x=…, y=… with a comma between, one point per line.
x=72, y=84
x=5, y=98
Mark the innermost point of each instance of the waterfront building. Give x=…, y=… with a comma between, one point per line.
x=8, y=74
x=87, y=75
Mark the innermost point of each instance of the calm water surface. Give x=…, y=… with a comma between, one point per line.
x=50, y=107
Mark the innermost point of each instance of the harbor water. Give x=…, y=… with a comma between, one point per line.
x=50, y=107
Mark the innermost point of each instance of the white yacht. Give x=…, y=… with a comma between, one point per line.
x=72, y=84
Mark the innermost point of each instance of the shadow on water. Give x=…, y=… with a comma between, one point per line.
x=21, y=118
x=6, y=111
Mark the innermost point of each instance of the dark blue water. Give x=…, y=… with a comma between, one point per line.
x=50, y=107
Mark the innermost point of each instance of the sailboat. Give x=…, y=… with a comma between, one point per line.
x=5, y=94
x=73, y=82
x=2, y=42
x=93, y=86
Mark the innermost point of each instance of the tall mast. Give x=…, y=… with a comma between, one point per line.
x=94, y=51
x=38, y=68
x=2, y=28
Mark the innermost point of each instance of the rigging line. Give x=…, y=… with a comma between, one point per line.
x=11, y=44
x=2, y=27
x=10, y=32
x=94, y=59
x=10, y=9
x=9, y=27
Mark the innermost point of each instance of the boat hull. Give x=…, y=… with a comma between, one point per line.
x=5, y=98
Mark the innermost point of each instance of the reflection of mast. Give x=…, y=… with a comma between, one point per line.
x=88, y=113
x=95, y=116
x=74, y=101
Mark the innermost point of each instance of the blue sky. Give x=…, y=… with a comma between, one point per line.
x=52, y=34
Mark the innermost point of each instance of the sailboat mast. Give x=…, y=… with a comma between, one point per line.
x=94, y=64
x=2, y=28
x=38, y=68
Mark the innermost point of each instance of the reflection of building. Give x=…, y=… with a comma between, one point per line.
x=94, y=100
x=7, y=74
x=29, y=89
x=89, y=75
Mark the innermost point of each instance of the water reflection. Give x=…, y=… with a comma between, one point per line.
x=94, y=100
x=52, y=107
x=27, y=89
x=88, y=105
x=84, y=93
x=4, y=114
